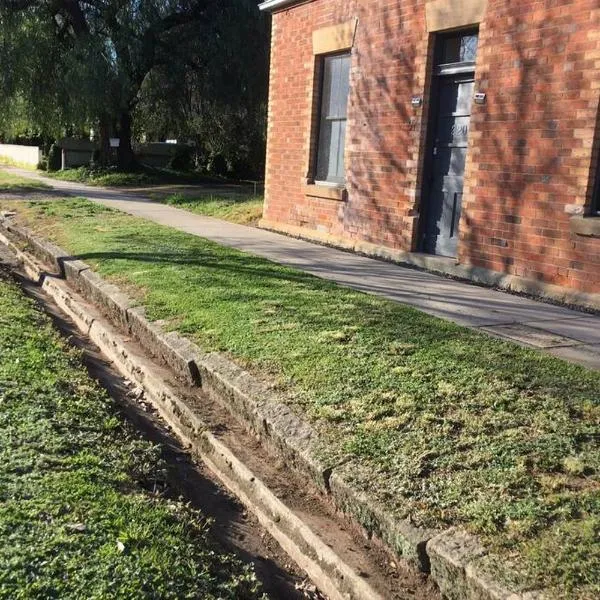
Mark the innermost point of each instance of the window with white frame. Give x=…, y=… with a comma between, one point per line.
x=335, y=85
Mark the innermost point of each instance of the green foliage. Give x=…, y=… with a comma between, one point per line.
x=112, y=176
x=75, y=519
x=237, y=208
x=214, y=91
x=195, y=70
x=445, y=424
x=101, y=176
x=54, y=158
x=30, y=57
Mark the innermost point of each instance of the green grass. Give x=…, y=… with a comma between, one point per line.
x=145, y=176
x=11, y=162
x=14, y=184
x=76, y=520
x=238, y=208
x=444, y=424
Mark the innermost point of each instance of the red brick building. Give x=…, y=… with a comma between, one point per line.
x=459, y=135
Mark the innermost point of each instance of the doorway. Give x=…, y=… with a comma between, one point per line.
x=452, y=95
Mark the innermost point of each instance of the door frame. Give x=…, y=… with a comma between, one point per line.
x=437, y=71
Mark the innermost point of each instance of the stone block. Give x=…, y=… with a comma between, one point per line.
x=259, y=409
x=169, y=347
x=352, y=493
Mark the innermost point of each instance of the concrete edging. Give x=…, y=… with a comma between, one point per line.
x=448, y=555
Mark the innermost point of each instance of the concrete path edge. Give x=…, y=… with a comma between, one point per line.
x=447, y=555
x=444, y=266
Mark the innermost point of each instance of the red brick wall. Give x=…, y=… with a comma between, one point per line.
x=531, y=145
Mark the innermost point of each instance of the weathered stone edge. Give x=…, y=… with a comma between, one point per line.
x=451, y=556
x=330, y=572
x=248, y=399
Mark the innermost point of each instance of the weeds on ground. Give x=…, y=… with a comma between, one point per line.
x=243, y=209
x=143, y=176
x=14, y=184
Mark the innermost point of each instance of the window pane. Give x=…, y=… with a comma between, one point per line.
x=336, y=80
x=325, y=135
x=332, y=129
x=342, y=85
x=462, y=48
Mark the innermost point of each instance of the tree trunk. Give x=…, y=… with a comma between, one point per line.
x=104, y=134
x=125, y=157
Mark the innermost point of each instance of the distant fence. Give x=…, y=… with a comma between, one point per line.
x=28, y=155
x=79, y=152
x=156, y=154
x=75, y=152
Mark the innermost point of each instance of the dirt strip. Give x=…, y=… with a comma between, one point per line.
x=234, y=528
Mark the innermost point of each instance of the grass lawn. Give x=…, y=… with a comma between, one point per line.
x=14, y=184
x=238, y=208
x=143, y=177
x=445, y=424
x=76, y=520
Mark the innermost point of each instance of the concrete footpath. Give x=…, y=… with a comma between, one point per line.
x=564, y=332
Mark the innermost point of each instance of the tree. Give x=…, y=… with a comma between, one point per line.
x=214, y=92
x=102, y=53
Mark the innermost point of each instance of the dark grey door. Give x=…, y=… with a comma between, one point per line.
x=448, y=135
x=448, y=156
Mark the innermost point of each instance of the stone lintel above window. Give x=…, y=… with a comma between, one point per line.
x=335, y=38
x=450, y=14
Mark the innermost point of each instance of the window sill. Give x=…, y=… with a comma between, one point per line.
x=588, y=226
x=321, y=190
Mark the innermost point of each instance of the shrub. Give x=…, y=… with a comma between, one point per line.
x=217, y=165
x=181, y=159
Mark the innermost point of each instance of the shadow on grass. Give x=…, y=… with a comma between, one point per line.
x=24, y=189
x=322, y=276
x=204, y=260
